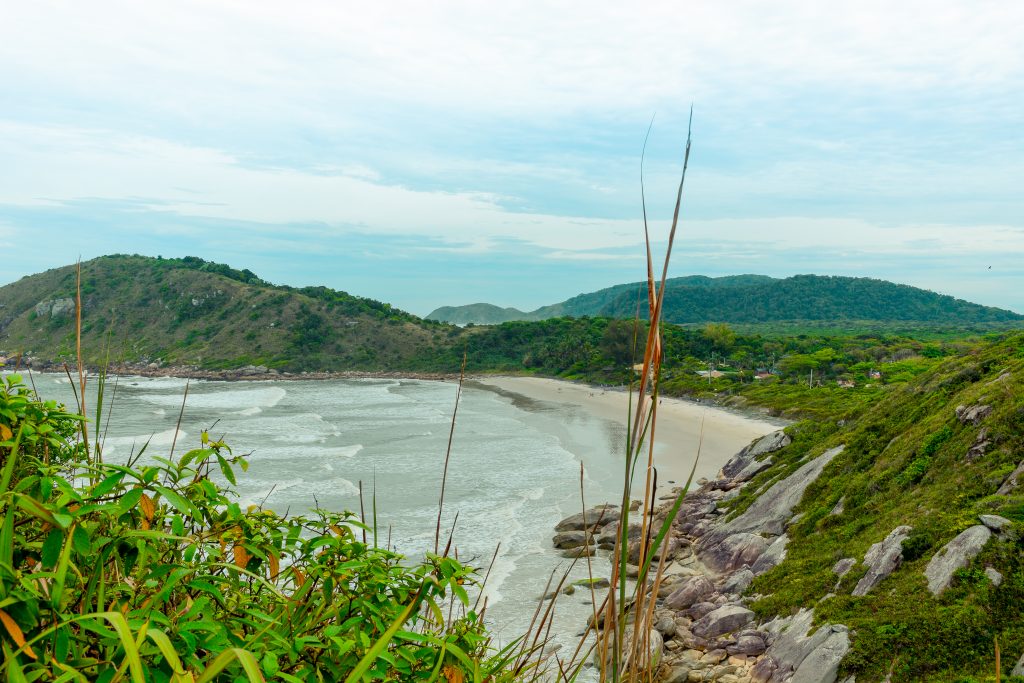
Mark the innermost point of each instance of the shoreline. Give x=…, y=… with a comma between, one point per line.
x=678, y=431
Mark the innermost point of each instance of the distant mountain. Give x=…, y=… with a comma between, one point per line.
x=752, y=299
x=190, y=311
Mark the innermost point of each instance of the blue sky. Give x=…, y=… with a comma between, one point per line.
x=451, y=152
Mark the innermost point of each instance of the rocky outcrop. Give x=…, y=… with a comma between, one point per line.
x=795, y=655
x=749, y=462
x=882, y=559
x=590, y=519
x=691, y=590
x=995, y=522
x=733, y=552
x=571, y=539
x=980, y=446
x=955, y=555
x=1018, y=670
x=55, y=308
x=773, y=508
x=972, y=415
x=1012, y=481
x=772, y=557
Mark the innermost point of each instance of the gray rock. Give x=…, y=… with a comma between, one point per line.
x=994, y=576
x=595, y=517
x=738, y=582
x=723, y=620
x=1018, y=670
x=972, y=415
x=773, y=508
x=655, y=649
x=843, y=566
x=995, y=522
x=692, y=590
x=955, y=555
x=745, y=464
x=772, y=557
x=666, y=626
x=839, y=508
x=700, y=609
x=791, y=645
x=821, y=665
x=1012, y=481
x=882, y=559
x=582, y=551
x=571, y=539
x=980, y=446
x=733, y=552
x=747, y=645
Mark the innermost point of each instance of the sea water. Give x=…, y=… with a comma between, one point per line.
x=514, y=469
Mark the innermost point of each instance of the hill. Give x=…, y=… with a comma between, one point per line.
x=758, y=299
x=191, y=312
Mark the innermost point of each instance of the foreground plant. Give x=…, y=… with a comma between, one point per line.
x=154, y=572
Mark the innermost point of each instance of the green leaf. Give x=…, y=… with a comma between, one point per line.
x=107, y=485
x=226, y=470
x=51, y=548
x=248, y=662
x=80, y=540
x=180, y=503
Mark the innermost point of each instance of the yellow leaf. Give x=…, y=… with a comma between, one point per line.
x=16, y=635
x=147, y=506
x=275, y=566
x=452, y=673
x=241, y=556
x=300, y=578
x=5, y=433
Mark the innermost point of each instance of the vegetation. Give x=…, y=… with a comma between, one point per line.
x=906, y=462
x=757, y=299
x=153, y=572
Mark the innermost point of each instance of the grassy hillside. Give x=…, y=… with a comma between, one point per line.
x=757, y=300
x=192, y=312
x=907, y=462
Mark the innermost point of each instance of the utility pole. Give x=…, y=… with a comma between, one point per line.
x=810, y=381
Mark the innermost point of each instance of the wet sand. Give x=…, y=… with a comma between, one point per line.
x=679, y=427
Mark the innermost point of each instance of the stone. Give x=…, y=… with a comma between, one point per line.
x=738, y=582
x=698, y=610
x=843, y=566
x=748, y=645
x=571, y=539
x=690, y=591
x=1012, y=481
x=821, y=665
x=995, y=522
x=582, y=551
x=882, y=559
x=972, y=415
x=745, y=464
x=772, y=557
x=666, y=626
x=955, y=555
x=595, y=517
x=722, y=620
x=773, y=508
x=655, y=648
x=994, y=576
x=840, y=507
x=714, y=657
x=733, y=551
x=677, y=674
x=980, y=446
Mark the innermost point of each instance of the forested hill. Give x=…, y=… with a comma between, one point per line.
x=746, y=299
x=190, y=311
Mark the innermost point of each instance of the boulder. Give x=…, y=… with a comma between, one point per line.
x=666, y=626
x=972, y=415
x=955, y=555
x=882, y=559
x=692, y=590
x=700, y=609
x=980, y=446
x=582, y=551
x=738, y=582
x=733, y=552
x=1012, y=481
x=723, y=620
x=773, y=508
x=843, y=566
x=772, y=557
x=994, y=576
x=751, y=646
x=795, y=654
x=589, y=519
x=655, y=648
x=571, y=539
x=995, y=522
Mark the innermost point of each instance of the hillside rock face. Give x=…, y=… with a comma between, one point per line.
x=55, y=308
x=956, y=554
x=795, y=656
x=882, y=560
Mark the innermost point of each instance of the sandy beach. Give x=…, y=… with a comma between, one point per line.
x=678, y=430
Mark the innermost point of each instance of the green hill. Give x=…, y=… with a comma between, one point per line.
x=758, y=299
x=192, y=312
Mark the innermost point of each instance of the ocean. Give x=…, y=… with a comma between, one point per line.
x=514, y=470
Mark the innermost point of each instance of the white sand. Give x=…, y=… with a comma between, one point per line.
x=679, y=424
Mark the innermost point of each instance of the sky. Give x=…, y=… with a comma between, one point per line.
x=446, y=153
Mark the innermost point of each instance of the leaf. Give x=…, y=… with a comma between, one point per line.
x=16, y=635
x=453, y=674
x=147, y=506
x=5, y=433
x=248, y=662
x=226, y=470
x=180, y=503
x=107, y=485
x=51, y=548
x=374, y=651
x=275, y=566
x=80, y=540
x=241, y=556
